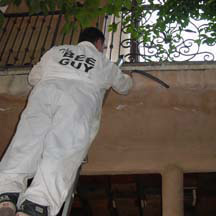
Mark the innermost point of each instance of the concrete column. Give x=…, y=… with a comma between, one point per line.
x=172, y=191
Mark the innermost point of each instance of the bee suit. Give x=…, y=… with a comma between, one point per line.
x=59, y=123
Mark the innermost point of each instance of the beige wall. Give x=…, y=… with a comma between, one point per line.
x=147, y=130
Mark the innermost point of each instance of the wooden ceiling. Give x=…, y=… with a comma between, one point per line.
x=140, y=195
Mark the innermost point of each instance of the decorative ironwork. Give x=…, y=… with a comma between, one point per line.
x=25, y=38
x=185, y=46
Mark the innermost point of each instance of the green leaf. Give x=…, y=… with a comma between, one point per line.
x=44, y=7
x=3, y=3
x=210, y=1
x=198, y=41
x=60, y=4
x=17, y=2
x=67, y=27
x=34, y=6
x=52, y=5
x=128, y=4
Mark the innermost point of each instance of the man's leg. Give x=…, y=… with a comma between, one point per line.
x=66, y=145
x=24, y=153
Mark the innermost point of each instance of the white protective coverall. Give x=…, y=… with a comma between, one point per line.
x=59, y=123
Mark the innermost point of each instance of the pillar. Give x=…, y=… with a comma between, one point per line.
x=172, y=191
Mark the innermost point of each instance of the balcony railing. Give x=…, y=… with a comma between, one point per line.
x=25, y=38
x=185, y=46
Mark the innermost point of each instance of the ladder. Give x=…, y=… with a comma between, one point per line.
x=69, y=200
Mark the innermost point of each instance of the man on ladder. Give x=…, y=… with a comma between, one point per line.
x=58, y=125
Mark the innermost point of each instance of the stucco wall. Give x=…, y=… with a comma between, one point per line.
x=147, y=130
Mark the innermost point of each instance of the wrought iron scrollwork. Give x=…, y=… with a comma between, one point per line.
x=185, y=44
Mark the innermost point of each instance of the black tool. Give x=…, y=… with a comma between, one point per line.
x=121, y=61
x=151, y=77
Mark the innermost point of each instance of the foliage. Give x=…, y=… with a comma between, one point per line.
x=170, y=12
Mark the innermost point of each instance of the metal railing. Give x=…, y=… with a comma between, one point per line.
x=185, y=46
x=25, y=38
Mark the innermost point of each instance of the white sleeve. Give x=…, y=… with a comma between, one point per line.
x=35, y=74
x=122, y=83
x=37, y=71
